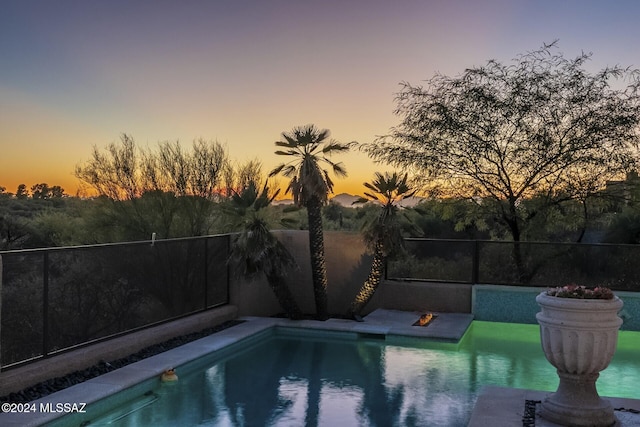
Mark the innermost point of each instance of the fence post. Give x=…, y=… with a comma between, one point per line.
x=206, y=273
x=229, y=271
x=475, y=272
x=45, y=304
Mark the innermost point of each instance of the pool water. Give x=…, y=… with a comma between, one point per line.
x=296, y=377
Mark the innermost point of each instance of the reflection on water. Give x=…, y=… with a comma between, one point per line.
x=307, y=382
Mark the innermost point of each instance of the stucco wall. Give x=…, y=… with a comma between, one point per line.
x=423, y=296
x=347, y=268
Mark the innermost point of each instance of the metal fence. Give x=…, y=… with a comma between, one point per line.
x=519, y=263
x=59, y=298
x=56, y=299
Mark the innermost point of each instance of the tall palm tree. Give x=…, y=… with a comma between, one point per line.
x=310, y=186
x=256, y=250
x=382, y=235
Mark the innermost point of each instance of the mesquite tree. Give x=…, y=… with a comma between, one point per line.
x=541, y=127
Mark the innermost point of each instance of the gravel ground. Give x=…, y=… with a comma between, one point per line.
x=56, y=384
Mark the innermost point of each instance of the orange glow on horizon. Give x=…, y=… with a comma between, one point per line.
x=60, y=170
x=74, y=187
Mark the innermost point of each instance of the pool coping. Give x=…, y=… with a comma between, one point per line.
x=392, y=324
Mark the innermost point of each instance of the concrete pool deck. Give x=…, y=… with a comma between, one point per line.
x=496, y=407
x=505, y=407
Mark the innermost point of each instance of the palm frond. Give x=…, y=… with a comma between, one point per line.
x=336, y=147
x=373, y=187
x=275, y=171
x=322, y=135
x=275, y=194
x=264, y=200
x=285, y=144
x=289, y=171
x=338, y=168
x=290, y=141
x=286, y=153
x=371, y=196
x=328, y=180
x=411, y=194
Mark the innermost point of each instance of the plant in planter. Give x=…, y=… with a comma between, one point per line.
x=581, y=292
x=579, y=333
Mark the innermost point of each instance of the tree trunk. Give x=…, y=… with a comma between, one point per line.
x=318, y=267
x=284, y=296
x=371, y=284
x=514, y=227
x=585, y=213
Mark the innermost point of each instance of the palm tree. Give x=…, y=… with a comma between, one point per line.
x=382, y=235
x=256, y=250
x=310, y=186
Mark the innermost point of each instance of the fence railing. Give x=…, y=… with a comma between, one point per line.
x=56, y=299
x=519, y=263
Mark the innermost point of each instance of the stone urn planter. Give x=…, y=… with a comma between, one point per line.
x=579, y=336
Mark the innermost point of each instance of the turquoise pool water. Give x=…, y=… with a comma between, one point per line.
x=295, y=377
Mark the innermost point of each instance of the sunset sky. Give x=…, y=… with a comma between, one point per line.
x=74, y=74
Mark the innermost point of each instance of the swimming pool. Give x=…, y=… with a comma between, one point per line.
x=289, y=376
